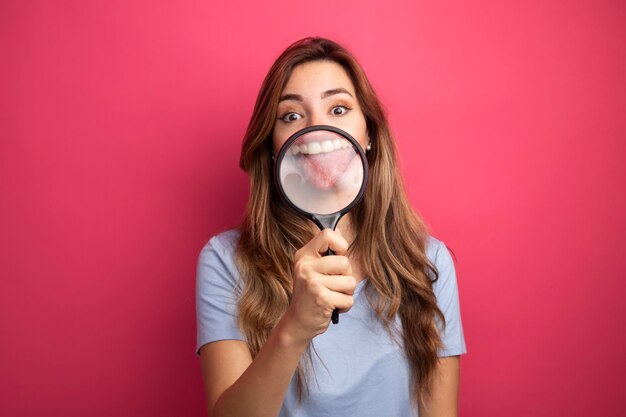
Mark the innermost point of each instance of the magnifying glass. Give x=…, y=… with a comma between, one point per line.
x=321, y=173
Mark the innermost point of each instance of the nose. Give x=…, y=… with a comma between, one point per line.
x=315, y=118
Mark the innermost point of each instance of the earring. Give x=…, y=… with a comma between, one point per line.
x=368, y=147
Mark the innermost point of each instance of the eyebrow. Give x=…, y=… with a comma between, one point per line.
x=325, y=94
x=334, y=91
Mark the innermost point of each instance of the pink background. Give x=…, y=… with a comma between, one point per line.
x=120, y=127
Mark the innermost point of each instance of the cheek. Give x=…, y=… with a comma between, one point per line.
x=278, y=139
x=358, y=131
x=281, y=133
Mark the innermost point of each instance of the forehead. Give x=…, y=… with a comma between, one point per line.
x=317, y=76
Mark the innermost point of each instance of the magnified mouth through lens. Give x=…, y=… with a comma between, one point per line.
x=320, y=169
x=322, y=158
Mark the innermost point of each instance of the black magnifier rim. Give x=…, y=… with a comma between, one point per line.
x=283, y=151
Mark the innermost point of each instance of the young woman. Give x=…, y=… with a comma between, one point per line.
x=265, y=292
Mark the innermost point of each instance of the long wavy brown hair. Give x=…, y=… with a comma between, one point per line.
x=391, y=239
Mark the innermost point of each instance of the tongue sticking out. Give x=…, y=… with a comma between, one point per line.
x=324, y=170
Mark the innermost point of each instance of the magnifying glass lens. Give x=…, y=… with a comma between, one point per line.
x=321, y=172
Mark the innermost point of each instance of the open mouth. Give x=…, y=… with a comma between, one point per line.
x=324, y=170
x=321, y=172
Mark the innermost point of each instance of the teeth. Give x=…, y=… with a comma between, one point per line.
x=313, y=148
x=327, y=146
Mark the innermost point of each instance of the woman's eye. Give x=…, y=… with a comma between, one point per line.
x=290, y=117
x=339, y=110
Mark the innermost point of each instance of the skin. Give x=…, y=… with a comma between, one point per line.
x=317, y=92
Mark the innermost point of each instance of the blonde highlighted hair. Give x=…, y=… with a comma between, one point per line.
x=391, y=239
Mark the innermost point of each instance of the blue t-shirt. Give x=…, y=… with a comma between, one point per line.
x=359, y=368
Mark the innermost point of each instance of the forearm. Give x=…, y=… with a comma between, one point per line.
x=444, y=396
x=261, y=389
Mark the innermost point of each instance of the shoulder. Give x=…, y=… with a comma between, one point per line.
x=217, y=290
x=437, y=252
x=223, y=243
x=217, y=258
x=446, y=291
x=440, y=257
x=221, y=247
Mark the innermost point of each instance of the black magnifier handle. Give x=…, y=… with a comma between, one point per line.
x=335, y=316
x=329, y=222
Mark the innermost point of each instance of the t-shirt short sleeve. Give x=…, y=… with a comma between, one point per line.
x=446, y=291
x=217, y=291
